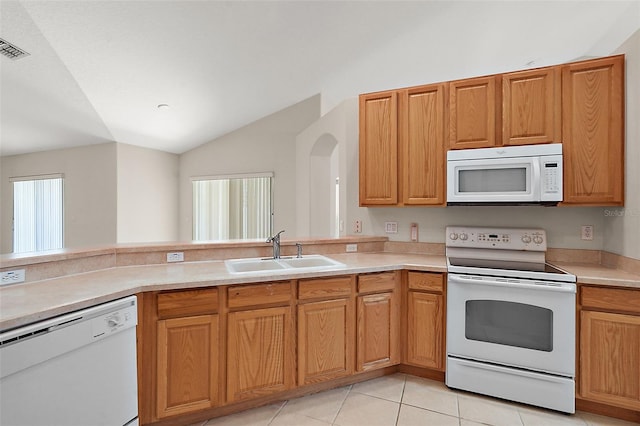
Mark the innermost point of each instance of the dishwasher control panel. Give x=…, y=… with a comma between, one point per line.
x=114, y=321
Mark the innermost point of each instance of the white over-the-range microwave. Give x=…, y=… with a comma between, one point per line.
x=517, y=175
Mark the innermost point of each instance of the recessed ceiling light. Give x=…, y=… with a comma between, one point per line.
x=163, y=107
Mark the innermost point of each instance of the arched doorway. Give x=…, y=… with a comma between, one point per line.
x=324, y=184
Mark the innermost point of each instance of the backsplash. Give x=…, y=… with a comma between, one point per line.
x=69, y=262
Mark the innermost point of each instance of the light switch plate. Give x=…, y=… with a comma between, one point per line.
x=391, y=227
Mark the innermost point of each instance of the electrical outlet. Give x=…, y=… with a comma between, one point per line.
x=587, y=232
x=391, y=227
x=13, y=277
x=351, y=248
x=176, y=256
x=357, y=226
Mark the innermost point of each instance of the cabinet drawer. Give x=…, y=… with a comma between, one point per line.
x=259, y=294
x=614, y=299
x=426, y=281
x=187, y=303
x=383, y=281
x=324, y=288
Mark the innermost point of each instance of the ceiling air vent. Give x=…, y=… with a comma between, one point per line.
x=11, y=51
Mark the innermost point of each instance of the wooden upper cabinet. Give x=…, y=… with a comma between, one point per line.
x=531, y=106
x=473, y=117
x=379, y=148
x=422, y=145
x=593, y=131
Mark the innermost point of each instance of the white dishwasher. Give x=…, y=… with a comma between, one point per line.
x=75, y=369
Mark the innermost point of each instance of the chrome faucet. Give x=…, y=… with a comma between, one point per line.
x=276, y=244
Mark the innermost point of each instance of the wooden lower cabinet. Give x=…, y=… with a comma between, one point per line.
x=259, y=353
x=378, y=321
x=201, y=350
x=425, y=330
x=187, y=372
x=609, y=370
x=425, y=344
x=325, y=340
x=178, y=353
x=610, y=350
x=377, y=331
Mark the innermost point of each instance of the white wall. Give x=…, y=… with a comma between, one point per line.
x=147, y=195
x=89, y=191
x=473, y=38
x=335, y=126
x=267, y=145
x=622, y=225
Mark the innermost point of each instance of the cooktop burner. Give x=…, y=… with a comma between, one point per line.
x=503, y=252
x=506, y=264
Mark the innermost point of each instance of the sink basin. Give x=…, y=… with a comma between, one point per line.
x=252, y=265
x=313, y=262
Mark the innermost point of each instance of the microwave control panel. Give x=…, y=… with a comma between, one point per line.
x=496, y=238
x=551, y=179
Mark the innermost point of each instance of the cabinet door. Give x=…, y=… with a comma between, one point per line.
x=593, y=131
x=379, y=149
x=531, y=107
x=422, y=145
x=187, y=373
x=378, y=331
x=325, y=340
x=259, y=353
x=609, y=354
x=472, y=113
x=425, y=330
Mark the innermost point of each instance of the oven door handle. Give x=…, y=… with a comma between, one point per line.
x=510, y=283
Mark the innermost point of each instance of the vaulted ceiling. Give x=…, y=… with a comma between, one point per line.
x=97, y=70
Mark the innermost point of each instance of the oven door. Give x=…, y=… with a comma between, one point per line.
x=515, y=322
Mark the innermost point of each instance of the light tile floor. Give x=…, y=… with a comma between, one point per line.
x=401, y=400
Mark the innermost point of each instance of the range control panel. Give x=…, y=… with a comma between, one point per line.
x=496, y=238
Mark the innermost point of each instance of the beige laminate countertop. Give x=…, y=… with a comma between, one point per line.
x=22, y=304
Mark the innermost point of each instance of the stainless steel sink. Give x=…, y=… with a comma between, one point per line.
x=314, y=262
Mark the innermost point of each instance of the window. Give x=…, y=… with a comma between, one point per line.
x=232, y=207
x=37, y=213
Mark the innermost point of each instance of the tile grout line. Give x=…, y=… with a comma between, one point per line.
x=404, y=384
x=278, y=412
x=333, y=421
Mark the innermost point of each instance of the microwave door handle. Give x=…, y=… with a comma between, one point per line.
x=552, y=286
x=536, y=178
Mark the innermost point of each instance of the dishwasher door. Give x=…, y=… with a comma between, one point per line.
x=76, y=369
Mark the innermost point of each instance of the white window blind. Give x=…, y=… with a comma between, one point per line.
x=37, y=213
x=226, y=208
